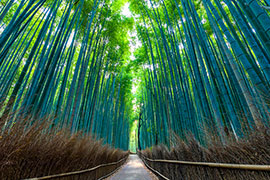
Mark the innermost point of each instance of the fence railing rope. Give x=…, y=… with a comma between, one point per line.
x=213, y=165
x=81, y=171
x=155, y=171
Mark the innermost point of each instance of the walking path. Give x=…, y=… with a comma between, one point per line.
x=134, y=169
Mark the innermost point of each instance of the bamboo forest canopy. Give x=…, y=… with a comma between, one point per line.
x=175, y=67
x=67, y=60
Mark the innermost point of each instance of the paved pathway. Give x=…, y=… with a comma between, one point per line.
x=134, y=169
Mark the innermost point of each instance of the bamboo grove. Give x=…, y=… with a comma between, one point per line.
x=57, y=60
x=204, y=68
x=208, y=69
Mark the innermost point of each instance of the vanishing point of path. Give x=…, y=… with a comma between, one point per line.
x=134, y=169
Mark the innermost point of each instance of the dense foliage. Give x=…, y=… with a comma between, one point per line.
x=207, y=69
x=68, y=60
x=201, y=67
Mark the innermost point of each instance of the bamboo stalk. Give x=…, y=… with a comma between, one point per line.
x=266, y=7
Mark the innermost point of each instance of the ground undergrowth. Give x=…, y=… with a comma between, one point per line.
x=37, y=150
x=254, y=150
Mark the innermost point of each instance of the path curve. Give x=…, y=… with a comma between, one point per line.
x=134, y=169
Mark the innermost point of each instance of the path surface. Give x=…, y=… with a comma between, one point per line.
x=134, y=169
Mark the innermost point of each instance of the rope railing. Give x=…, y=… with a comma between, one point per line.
x=155, y=171
x=211, y=164
x=97, y=175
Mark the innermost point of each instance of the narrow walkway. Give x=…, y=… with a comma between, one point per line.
x=134, y=169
